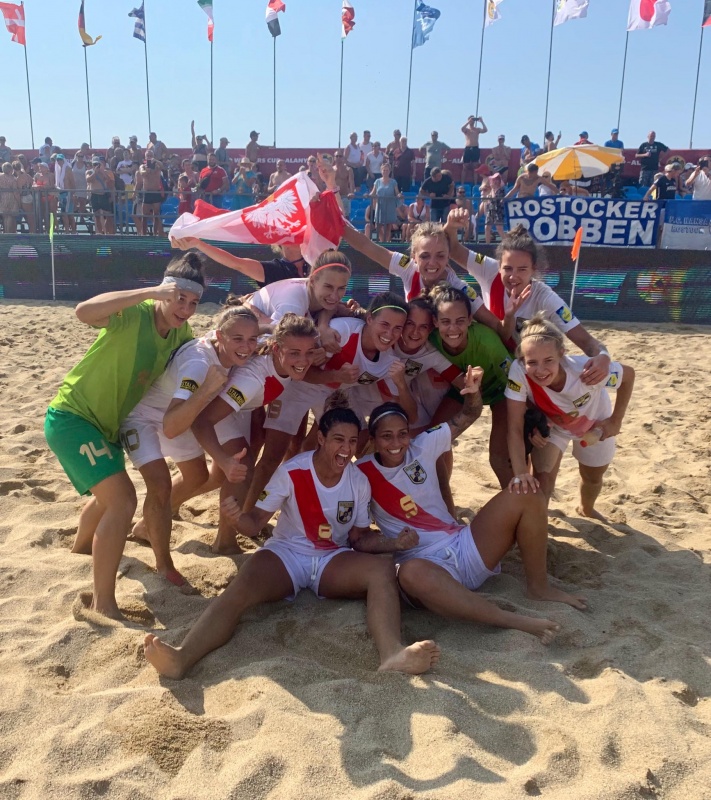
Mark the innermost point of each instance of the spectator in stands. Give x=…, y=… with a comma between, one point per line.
x=572, y=189
x=45, y=150
x=529, y=150
x=184, y=192
x=417, y=213
x=126, y=172
x=79, y=168
x=583, y=140
x=665, y=184
x=472, y=154
x=400, y=225
x=135, y=150
x=101, y=183
x=366, y=146
x=10, y=204
x=313, y=173
x=551, y=141
x=440, y=188
x=201, y=145
x=462, y=200
x=150, y=193
x=494, y=210
x=85, y=151
x=499, y=158
x=614, y=140
x=403, y=165
x=5, y=151
x=386, y=194
x=344, y=181
x=223, y=157
x=64, y=179
x=243, y=182
x=22, y=158
x=700, y=180
x=213, y=181
x=648, y=155
x=355, y=159
x=24, y=185
x=394, y=147
x=277, y=178
x=527, y=183
x=374, y=165
x=435, y=153
x=160, y=151
x=251, y=150
x=173, y=170
x=116, y=149
x=45, y=193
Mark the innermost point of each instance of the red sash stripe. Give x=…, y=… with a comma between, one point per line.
x=345, y=356
x=416, y=288
x=309, y=506
x=498, y=307
x=272, y=389
x=547, y=406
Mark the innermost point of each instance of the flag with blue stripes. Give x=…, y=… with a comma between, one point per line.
x=139, y=29
x=425, y=18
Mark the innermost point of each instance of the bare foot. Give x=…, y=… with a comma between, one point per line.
x=139, y=533
x=85, y=602
x=545, y=629
x=591, y=514
x=226, y=546
x=553, y=595
x=178, y=580
x=163, y=657
x=413, y=660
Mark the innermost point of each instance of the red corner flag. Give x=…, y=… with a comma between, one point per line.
x=707, y=14
x=14, y=17
x=575, y=252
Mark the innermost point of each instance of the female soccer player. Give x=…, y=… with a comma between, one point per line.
x=553, y=381
x=324, y=509
x=159, y=425
x=140, y=328
x=448, y=562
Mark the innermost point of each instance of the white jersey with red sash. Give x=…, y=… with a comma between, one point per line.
x=577, y=407
x=256, y=384
x=409, y=495
x=403, y=267
x=314, y=518
x=279, y=298
x=485, y=270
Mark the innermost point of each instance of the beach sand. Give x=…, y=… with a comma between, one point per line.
x=617, y=707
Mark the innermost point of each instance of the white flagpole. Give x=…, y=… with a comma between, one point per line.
x=51, y=250
x=575, y=277
x=550, y=59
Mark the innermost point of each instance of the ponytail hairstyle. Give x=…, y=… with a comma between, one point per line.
x=234, y=309
x=387, y=300
x=427, y=230
x=423, y=302
x=385, y=410
x=189, y=266
x=540, y=329
x=519, y=239
x=336, y=412
x=289, y=325
x=332, y=259
x=442, y=293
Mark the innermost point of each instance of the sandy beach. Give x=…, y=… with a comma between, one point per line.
x=616, y=708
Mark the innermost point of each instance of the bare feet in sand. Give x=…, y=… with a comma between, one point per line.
x=545, y=629
x=163, y=657
x=413, y=660
x=226, y=546
x=173, y=576
x=591, y=514
x=85, y=602
x=552, y=595
x=139, y=533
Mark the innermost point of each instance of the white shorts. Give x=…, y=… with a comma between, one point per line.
x=305, y=571
x=144, y=441
x=599, y=454
x=459, y=556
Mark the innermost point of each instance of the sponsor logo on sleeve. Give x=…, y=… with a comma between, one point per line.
x=415, y=472
x=236, y=395
x=479, y=258
x=565, y=313
x=404, y=261
x=263, y=494
x=515, y=387
x=471, y=292
x=506, y=365
x=433, y=428
x=189, y=385
x=613, y=380
x=581, y=401
x=345, y=511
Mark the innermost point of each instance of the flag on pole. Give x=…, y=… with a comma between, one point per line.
x=425, y=18
x=206, y=6
x=139, y=29
x=492, y=11
x=707, y=14
x=570, y=9
x=14, y=17
x=51, y=226
x=348, y=18
x=86, y=39
x=273, y=8
x=647, y=14
x=575, y=252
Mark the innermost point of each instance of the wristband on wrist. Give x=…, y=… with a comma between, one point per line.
x=604, y=352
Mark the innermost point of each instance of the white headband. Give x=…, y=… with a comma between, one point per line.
x=185, y=284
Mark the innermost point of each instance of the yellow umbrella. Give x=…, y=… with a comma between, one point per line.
x=579, y=161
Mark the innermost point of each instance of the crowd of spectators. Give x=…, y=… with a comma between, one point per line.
x=125, y=187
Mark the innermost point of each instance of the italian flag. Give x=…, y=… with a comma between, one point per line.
x=206, y=6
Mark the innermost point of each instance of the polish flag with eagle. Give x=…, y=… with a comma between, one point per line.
x=294, y=214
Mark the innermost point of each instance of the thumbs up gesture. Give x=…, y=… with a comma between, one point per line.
x=235, y=471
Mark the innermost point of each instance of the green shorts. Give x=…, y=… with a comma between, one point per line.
x=83, y=452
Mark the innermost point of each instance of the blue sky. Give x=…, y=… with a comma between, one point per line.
x=585, y=83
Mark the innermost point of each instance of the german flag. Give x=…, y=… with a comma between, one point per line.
x=707, y=14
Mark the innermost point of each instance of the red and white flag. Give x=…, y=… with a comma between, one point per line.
x=14, y=17
x=286, y=217
x=347, y=19
x=647, y=14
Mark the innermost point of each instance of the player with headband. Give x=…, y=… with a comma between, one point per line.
x=139, y=329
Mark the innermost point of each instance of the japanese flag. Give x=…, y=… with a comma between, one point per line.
x=647, y=14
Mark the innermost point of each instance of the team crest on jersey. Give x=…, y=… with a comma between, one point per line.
x=415, y=472
x=471, y=293
x=366, y=379
x=274, y=409
x=582, y=400
x=236, y=395
x=505, y=365
x=515, y=387
x=479, y=258
x=404, y=261
x=433, y=429
x=565, y=313
x=263, y=494
x=345, y=511
x=189, y=385
x=613, y=380
x=412, y=367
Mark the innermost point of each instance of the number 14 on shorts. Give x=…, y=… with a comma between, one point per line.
x=92, y=453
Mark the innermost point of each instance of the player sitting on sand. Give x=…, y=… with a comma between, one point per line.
x=324, y=503
x=447, y=562
x=554, y=382
x=140, y=328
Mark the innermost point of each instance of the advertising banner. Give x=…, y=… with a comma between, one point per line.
x=687, y=225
